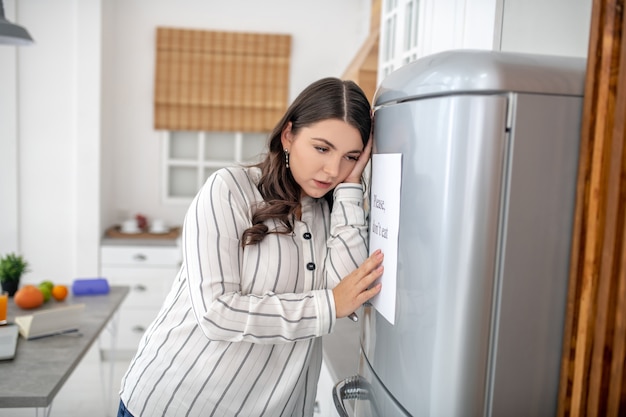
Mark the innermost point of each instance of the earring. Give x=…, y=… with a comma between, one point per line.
x=286, y=158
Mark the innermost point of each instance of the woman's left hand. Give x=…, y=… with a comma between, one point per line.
x=357, y=171
x=358, y=286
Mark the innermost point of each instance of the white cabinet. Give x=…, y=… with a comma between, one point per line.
x=411, y=29
x=324, y=404
x=148, y=268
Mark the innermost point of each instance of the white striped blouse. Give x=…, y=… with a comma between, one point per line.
x=239, y=334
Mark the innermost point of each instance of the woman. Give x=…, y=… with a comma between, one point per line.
x=273, y=255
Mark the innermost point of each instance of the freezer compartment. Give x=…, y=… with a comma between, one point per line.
x=479, y=71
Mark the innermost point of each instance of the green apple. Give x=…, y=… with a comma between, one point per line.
x=46, y=291
x=48, y=284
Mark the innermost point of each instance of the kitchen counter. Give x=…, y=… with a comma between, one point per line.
x=41, y=366
x=113, y=236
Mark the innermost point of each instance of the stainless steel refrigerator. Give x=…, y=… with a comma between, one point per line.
x=489, y=145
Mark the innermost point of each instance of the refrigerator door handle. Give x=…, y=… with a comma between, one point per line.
x=351, y=388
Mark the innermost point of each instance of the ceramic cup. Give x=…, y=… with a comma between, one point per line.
x=158, y=226
x=130, y=226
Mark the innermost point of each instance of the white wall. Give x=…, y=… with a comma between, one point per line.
x=458, y=24
x=326, y=34
x=551, y=27
x=77, y=147
x=54, y=110
x=9, y=237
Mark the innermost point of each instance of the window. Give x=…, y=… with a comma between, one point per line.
x=400, y=34
x=216, y=95
x=411, y=17
x=191, y=157
x=220, y=81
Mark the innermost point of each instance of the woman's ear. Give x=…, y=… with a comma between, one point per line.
x=286, y=137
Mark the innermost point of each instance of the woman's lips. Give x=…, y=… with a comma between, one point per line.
x=322, y=184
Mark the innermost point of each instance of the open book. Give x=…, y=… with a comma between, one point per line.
x=49, y=322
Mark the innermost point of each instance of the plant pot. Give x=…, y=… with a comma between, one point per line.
x=10, y=287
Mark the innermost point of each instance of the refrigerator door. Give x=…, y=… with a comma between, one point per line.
x=530, y=303
x=489, y=145
x=434, y=360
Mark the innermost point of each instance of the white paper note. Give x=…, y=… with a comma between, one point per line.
x=384, y=223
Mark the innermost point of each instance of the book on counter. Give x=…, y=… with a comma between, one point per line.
x=50, y=322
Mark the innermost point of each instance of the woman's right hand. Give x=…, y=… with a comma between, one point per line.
x=361, y=163
x=356, y=288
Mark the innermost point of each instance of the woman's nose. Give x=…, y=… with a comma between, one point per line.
x=331, y=168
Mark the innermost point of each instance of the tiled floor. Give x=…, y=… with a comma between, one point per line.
x=89, y=391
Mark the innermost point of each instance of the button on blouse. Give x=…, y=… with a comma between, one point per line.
x=310, y=266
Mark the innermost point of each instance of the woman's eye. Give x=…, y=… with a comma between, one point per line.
x=352, y=158
x=321, y=149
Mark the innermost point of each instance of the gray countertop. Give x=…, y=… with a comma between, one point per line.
x=41, y=366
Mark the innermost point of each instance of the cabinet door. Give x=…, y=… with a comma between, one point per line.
x=324, y=405
x=123, y=334
x=411, y=29
x=149, y=272
x=148, y=286
x=140, y=256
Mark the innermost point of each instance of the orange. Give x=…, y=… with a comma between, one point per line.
x=28, y=297
x=59, y=292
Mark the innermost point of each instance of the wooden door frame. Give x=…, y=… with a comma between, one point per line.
x=592, y=371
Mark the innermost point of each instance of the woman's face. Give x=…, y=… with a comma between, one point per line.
x=322, y=155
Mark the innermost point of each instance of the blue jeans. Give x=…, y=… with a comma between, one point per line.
x=122, y=411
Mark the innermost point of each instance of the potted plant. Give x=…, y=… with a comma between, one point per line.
x=12, y=267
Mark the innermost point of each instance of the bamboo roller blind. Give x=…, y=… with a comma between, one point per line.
x=220, y=81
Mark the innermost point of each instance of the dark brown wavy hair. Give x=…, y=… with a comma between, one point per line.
x=328, y=98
